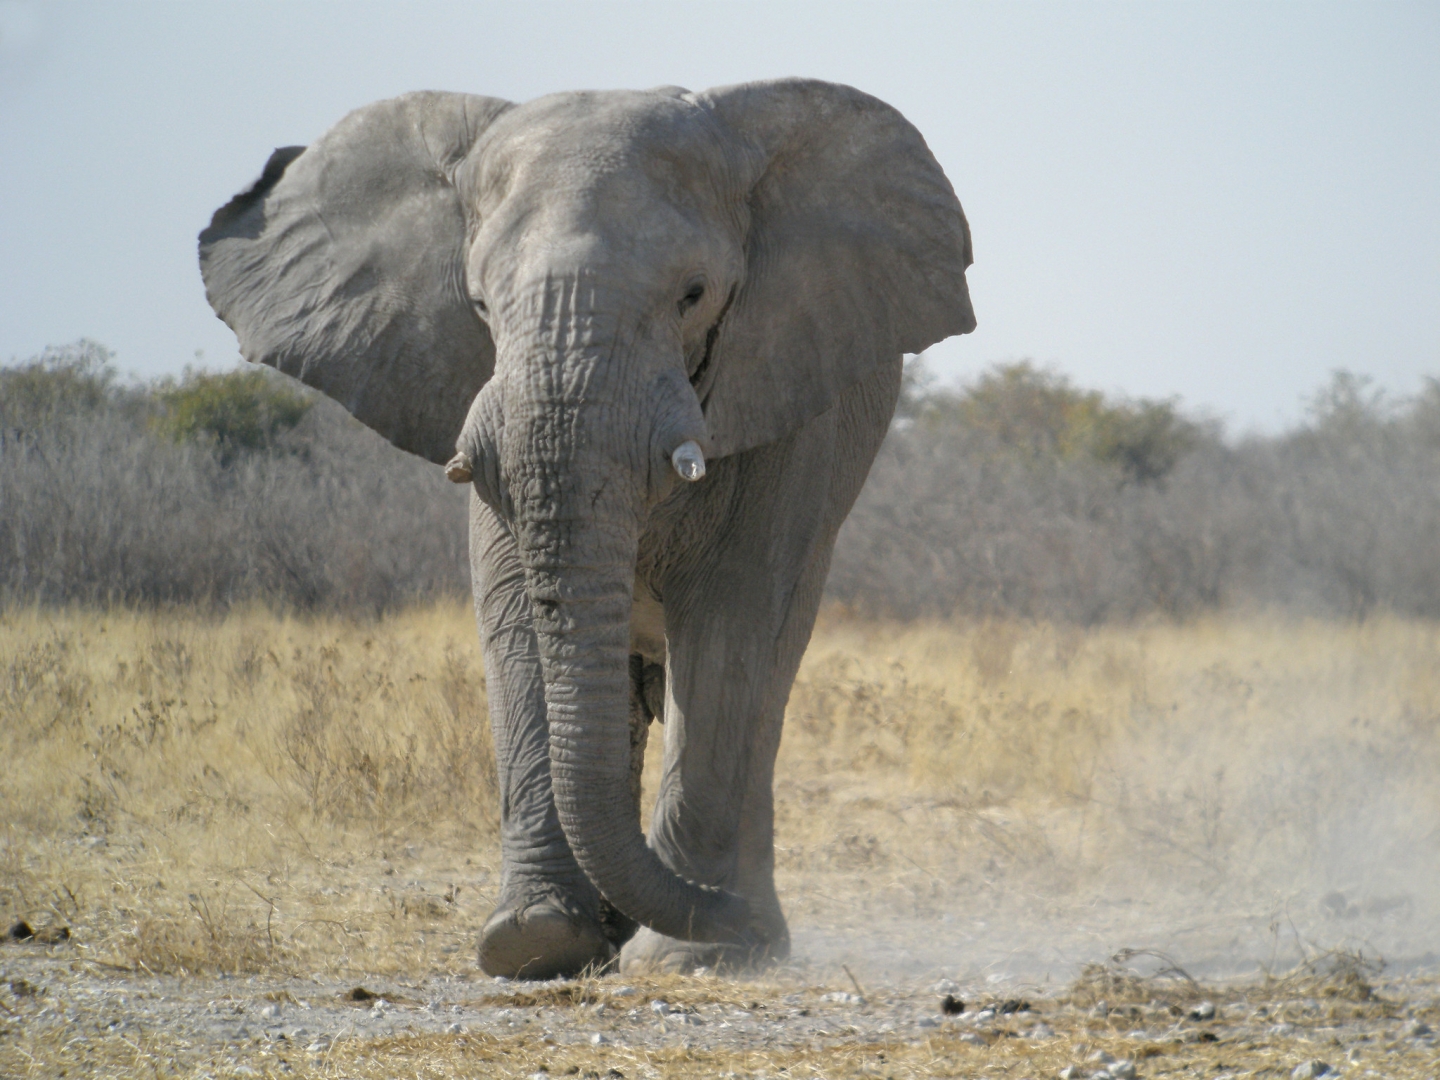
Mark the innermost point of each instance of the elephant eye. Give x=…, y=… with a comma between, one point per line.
x=481, y=307
x=691, y=298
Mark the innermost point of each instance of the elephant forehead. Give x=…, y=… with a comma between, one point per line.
x=634, y=186
x=648, y=143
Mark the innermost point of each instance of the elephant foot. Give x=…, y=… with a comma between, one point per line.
x=651, y=953
x=542, y=939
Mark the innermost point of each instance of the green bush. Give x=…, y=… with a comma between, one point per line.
x=236, y=411
x=64, y=380
x=1041, y=417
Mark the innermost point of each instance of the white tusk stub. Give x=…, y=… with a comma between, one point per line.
x=459, y=469
x=689, y=460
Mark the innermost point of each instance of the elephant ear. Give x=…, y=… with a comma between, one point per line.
x=856, y=254
x=344, y=266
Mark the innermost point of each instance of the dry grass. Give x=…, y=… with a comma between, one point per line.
x=314, y=798
x=1276, y=760
x=194, y=794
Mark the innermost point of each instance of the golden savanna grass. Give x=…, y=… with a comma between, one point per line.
x=193, y=793
x=1250, y=751
x=312, y=801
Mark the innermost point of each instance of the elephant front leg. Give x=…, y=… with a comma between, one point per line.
x=740, y=603
x=549, y=920
x=737, y=627
x=714, y=815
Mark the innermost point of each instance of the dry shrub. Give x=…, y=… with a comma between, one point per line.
x=207, y=938
x=1120, y=981
x=1338, y=974
x=1022, y=496
x=225, y=489
x=1018, y=496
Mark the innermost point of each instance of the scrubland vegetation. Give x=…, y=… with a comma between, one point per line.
x=1091, y=675
x=211, y=491
x=1023, y=496
x=1016, y=496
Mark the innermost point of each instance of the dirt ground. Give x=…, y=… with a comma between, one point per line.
x=64, y=1017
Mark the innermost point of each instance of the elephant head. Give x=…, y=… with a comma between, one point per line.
x=575, y=289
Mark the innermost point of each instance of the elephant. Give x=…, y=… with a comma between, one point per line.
x=660, y=336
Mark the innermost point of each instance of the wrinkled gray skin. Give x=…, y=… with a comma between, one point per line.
x=567, y=290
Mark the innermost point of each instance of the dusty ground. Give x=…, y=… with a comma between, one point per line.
x=62, y=1017
x=224, y=827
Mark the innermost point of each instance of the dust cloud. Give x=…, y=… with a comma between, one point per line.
x=1239, y=795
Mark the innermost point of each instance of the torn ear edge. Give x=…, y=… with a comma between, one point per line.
x=275, y=167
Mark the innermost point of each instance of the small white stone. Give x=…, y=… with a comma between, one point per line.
x=598, y=1039
x=1310, y=1069
x=272, y=1011
x=1123, y=1070
x=973, y=1039
x=945, y=986
x=1204, y=1011
x=659, y=1008
x=1102, y=1057
x=454, y=1029
x=625, y=991
x=927, y=1022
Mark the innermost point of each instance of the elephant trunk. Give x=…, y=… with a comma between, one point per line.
x=581, y=464
x=583, y=626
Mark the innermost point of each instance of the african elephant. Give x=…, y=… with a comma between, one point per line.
x=660, y=333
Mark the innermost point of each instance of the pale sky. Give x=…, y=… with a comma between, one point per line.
x=1217, y=201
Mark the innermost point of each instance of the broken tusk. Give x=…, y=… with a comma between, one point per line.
x=460, y=470
x=689, y=460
